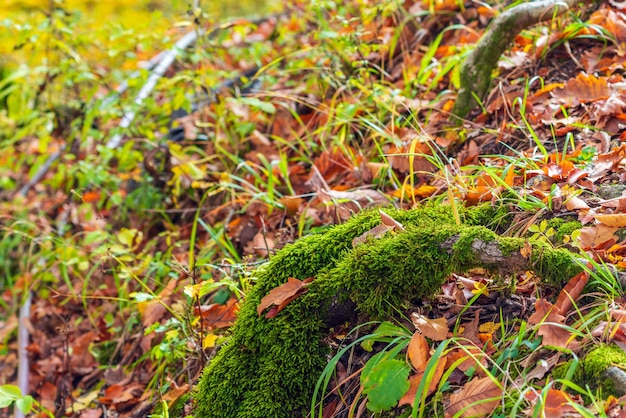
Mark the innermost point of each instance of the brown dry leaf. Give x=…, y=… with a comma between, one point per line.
x=617, y=220
x=217, y=315
x=527, y=250
x=122, y=396
x=416, y=379
x=571, y=291
x=291, y=204
x=90, y=413
x=377, y=232
x=470, y=329
x=282, y=295
x=557, y=404
x=470, y=356
x=173, y=395
x=8, y=326
x=584, y=88
x=388, y=224
x=418, y=351
x=542, y=367
x=81, y=358
x=610, y=20
x=154, y=310
x=479, y=397
x=553, y=335
x=435, y=329
x=595, y=236
x=263, y=243
x=389, y=221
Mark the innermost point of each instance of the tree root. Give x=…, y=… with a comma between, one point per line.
x=477, y=69
x=270, y=366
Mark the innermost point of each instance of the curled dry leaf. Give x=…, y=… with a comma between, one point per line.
x=551, y=325
x=435, y=329
x=418, y=351
x=388, y=224
x=282, y=295
x=571, y=292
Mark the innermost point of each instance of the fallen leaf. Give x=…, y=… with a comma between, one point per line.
x=174, y=394
x=416, y=379
x=377, y=232
x=122, y=396
x=282, y=295
x=435, y=329
x=551, y=325
x=465, y=358
x=389, y=221
x=479, y=397
x=617, y=220
x=418, y=352
x=558, y=404
x=219, y=315
x=584, y=88
x=594, y=237
x=571, y=292
x=470, y=329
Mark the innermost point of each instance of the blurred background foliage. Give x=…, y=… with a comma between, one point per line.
x=157, y=15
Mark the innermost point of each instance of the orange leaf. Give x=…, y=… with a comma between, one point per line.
x=479, y=397
x=219, y=316
x=617, y=220
x=418, y=351
x=475, y=356
x=416, y=379
x=282, y=295
x=172, y=396
x=557, y=404
x=585, y=88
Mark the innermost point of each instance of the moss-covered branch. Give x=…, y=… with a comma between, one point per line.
x=477, y=69
x=270, y=366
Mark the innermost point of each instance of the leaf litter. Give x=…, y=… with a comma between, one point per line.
x=327, y=182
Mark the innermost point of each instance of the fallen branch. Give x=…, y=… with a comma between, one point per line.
x=477, y=69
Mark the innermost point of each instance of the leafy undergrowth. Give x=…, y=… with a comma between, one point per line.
x=136, y=255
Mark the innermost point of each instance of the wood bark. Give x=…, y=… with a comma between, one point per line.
x=477, y=69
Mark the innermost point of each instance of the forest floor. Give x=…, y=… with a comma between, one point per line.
x=135, y=255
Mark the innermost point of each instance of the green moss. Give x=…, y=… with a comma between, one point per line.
x=270, y=366
x=562, y=228
x=591, y=368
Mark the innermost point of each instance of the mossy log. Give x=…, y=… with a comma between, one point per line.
x=476, y=71
x=270, y=367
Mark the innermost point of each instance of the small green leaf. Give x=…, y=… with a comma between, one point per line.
x=25, y=404
x=385, y=384
x=383, y=334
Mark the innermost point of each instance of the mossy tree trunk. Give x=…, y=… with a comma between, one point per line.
x=270, y=366
x=477, y=69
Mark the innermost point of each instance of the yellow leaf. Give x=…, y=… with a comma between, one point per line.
x=209, y=341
